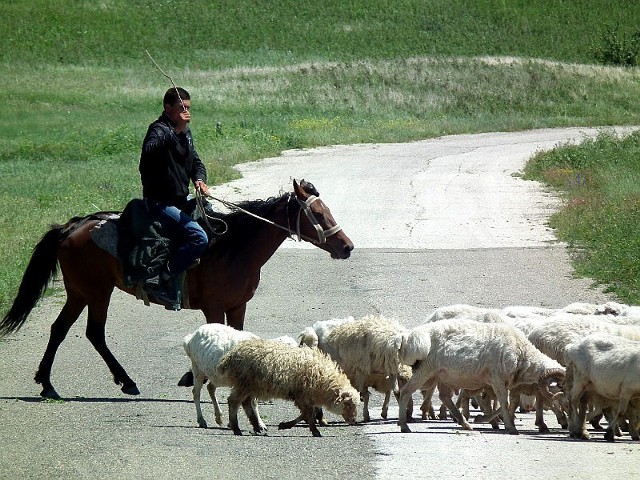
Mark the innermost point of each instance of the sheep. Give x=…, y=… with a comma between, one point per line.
x=553, y=337
x=367, y=351
x=315, y=336
x=266, y=369
x=608, y=365
x=205, y=347
x=479, y=314
x=467, y=354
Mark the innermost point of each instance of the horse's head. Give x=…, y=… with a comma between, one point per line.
x=320, y=228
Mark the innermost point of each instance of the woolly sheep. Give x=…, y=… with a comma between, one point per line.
x=469, y=312
x=608, y=365
x=266, y=369
x=366, y=349
x=205, y=347
x=468, y=354
x=553, y=337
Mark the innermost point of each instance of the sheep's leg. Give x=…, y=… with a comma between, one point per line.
x=320, y=417
x=594, y=416
x=485, y=403
x=490, y=417
x=427, y=408
x=308, y=413
x=364, y=396
x=198, y=381
x=542, y=427
x=611, y=429
x=234, y=402
x=634, y=422
x=503, y=398
x=291, y=423
x=557, y=402
x=385, y=404
x=577, y=414
x=575, y=386
x=256, y=422
x=409, y=406
x=256, y=411
x=211, y=388
x=416, y=381
x=445, y=394
x=462, y=403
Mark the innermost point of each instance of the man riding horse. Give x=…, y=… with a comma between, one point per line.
x=168, y=163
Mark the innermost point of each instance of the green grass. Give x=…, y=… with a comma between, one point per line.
x=600, y=179
x=79, y=91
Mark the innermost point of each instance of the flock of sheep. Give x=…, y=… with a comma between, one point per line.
x=582, y=362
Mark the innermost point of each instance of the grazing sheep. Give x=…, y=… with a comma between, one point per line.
x=266, y=369
x=467, y=354
x=608, y=365
x=365, y=349
x=205, y=347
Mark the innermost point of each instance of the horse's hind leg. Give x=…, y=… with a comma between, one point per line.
x=59, y=329
x=96, y=334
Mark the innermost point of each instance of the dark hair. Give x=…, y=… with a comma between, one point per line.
x=171, y=96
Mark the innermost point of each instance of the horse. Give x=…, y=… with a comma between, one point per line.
x=220, y=285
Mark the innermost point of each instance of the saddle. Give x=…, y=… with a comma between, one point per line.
x=143, y=248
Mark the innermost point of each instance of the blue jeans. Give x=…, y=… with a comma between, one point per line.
x=188, y=236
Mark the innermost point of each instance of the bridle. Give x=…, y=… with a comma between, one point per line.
x=305, y=206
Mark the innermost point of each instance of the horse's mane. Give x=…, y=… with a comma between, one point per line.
x=240, y=225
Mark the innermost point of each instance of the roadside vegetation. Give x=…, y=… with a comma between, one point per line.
x=79, y=91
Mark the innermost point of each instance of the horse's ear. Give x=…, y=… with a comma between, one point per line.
x=299, y=190
x=305, y=188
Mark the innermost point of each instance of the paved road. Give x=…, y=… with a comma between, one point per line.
x=434, y=223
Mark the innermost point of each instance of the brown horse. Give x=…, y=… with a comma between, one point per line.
x=221, y=285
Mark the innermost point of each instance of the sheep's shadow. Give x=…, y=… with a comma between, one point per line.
x=39, y=399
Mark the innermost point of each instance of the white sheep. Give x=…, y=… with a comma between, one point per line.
x=205, y=347
x=553, y=336
x=470, y=312
x=468, y=354
x=367, y=351
x=608, y=365
x=266, y=369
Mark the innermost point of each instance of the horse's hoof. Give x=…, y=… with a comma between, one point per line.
x=130, y=390
x=50, y=394
x=186, y=380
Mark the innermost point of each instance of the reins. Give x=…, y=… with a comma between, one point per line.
x=304, y=206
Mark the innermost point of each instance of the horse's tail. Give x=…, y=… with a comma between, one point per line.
x=42, y=268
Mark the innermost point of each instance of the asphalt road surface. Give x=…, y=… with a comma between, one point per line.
x=434, y=223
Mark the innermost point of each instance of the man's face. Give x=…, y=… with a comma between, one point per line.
x=174, y=111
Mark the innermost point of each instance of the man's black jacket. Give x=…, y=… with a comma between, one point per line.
x=168, y=163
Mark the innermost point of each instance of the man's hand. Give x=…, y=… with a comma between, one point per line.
x=181, y=122
x=202, y=187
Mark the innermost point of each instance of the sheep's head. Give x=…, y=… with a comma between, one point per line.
x=345, y=404
x=551, y=382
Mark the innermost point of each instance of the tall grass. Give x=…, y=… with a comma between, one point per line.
x=78, y=90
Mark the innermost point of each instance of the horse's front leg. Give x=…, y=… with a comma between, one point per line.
x=59, y=329
x=235, y=316
x=96, y=322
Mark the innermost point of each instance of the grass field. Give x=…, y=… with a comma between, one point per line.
x=79, y=90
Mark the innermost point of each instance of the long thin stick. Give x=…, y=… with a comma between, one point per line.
x=170, y=79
